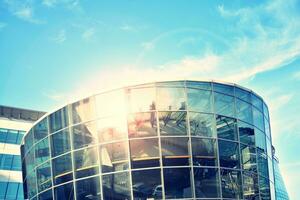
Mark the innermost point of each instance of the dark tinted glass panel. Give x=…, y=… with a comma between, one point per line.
x=257, y=102
x=43, y=173
x=112, y=128
x=229, y=154
x=58, y=120
x=264, y=188
x=29, y=159
x=139, y=102
x=246, y=132
x=243, y=94
x=204, y=152
x=142, y=125
x=226, y=127
x=262, y=161
x=177, y=183
x=170, y=99
x=42, y=151
x=260, y=140
x=64, y=192
x=114, y=157
x=248, y=155
x=144, y=153
x=198, y=85
x=12, y=190
x=31, y=184
x=116, y=186
x=226, y=89
x=83, y=110
x=199, y=100
x=84, y=135
x=250, y=186
x=86, y=162
x=172, y=123
x=28, y=141
x=244, y=111
x=175, y=151
x=231, y=184
x=41, y=130
x=146, y=184
x=207, y=184
x=46, y=195
x=202, y=124
x=224, y=105
x=258, y=119
x=60, y=142
x=62, y=167
x=88, y=189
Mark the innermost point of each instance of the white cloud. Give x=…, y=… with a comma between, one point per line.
x=60, y=37
x=296, y=75
x=49, y=3
x=88, y=34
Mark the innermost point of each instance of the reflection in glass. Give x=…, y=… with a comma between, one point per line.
x=202, y=124
x=42, y=151
x=175, y=151
x=267, y=128
x=246, y=133
x=226, y=127
x=258, y=119
x=142, y=125
x=199, y=100
x=231, y=184
x=83, y=110
x=260, y=140
x=46, y=195
x=43, y=173
x=224, y=104
x=257, y=102
x=264, y=188
x=31, y=184
x=41, y=130
x=86, y=162
x=116, y=186
x=114, y=157
x=206, y=182
x=170, y=99
x=204, y=152
x=198, y=85
x=250, y=186
x=60, y=142
x=177, y=183
x=12, y=190
x=226, y=89
x=64, y=192
x=139, y=102
x=84, y=135
x=62, y=169
x=146, y=184
x=59, y=120
x=144, y=153
x=229, y=154
x=28, y=140
x=248, y=156
x=111, y=128
x=262, y=161
x=172, y=123
x=88, y=189
x=244, y=111
x=243, y=94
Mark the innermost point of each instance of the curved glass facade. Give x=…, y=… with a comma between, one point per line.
x=280, y=189
x=164, y=140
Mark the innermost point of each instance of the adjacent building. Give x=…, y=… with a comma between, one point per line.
x=163, y=140
x=14, y=122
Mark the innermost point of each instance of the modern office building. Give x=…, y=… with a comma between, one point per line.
x=14, y=122
x=162, y=140
x=280, y=189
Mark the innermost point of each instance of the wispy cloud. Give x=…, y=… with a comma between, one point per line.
x=127, y=27
x=49, y=3
x=296, y=75
x=88, y=34
x=60, y=37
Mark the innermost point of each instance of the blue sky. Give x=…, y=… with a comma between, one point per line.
x=52, y=51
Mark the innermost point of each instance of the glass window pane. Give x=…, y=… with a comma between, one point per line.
x=88, y=189
x=264, y=188
x=64, y=192
x=42, y=151
x=3, y=135
x=204, y=152
x=114, y=157
x=260, y=140
x=207, y=182
x=43, y=173
x=243, y=94
x=84, y=135
x=29, y=160
x=86, y=162
x=262, y=161
x=12, y=190
x=144, y=153
x=266, y=111
x=229, y=154
x=257, y=102
x=41, y=130
x=20, y=192
x=244, y=111
x=83, y=110
x=198, y=85
x=246, y=132
x=224, y=104
x=226, y=89
x=142, y=125
x=111, y=128
x=12, y=136
x=31, y=184
x=175, y=151
x=258, y=119
x=59, y=120
x=20, y=137
x=172, y=123
x=28, y=141
x=170, y=99
x=46, y=195
x=202, y=124
x=199, y=100
x=250, y=186
x=16, y=164
x=226, y=127
x=177, y=183
x=248, y=155
x=60, y=142
x=62, y=169
x=7, y=161
x=116, y=186
x=146, y=184
x=231, y=184
x=3, y=186
x=267, y=128
x=139, y=102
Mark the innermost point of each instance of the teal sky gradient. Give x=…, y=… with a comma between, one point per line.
x=53, y=51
